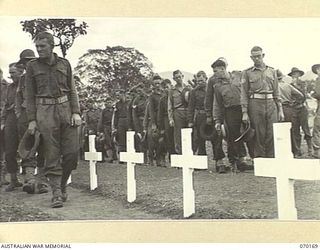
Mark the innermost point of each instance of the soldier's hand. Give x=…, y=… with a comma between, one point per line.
x=153, y=127
x=218, y=128
x=130, y=129
x=190, y=125
x=245, y=118
x=2, y=127
x=171, y=123
x=32, y=127
x=75, y=120
x=209, y=120
x=280, y=116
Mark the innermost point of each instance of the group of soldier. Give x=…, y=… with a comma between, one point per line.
x=42, y=104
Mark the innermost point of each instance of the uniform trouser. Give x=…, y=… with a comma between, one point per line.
x=60, y=139
x=288, y=113
x=218, y=153
x=262, y=114
x=11, y=138
x=2, y=159
x=22, y=128
x=180, y=121
x=199, y=143
x=316, y=129
x=154, y=151
x=169, y=136
x=233, y=119
x=122, y=134
x=140, y=146
x=107, y=136
x=300, y=120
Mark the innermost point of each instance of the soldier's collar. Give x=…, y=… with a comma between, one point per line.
x=259, y=68
x=47, y=61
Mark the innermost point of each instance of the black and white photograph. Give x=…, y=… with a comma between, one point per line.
x=119, y=118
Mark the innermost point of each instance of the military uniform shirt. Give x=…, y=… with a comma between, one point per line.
x=49, y=81
x=256, y=80
x=196, y=101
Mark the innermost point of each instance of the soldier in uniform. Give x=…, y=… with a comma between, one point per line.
x=178, y=108
x=260, y=102
x=120, y=120
x=290, y=97
x=53, y=109
x=197, y=113
x=166, y=131
x=227, y=111
x=139, y=103
x=316, y=122
x=3, y=91
x=152, y=130
x=91, y=118
x=29, y=164
x=300, y=118
x=104, y=128
x=9, y=125
x=218, y=153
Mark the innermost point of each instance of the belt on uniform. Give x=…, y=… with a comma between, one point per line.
x=201, y=111
x=52, y=101
x=261, y=96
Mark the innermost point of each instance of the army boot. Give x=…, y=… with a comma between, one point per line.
x=42, y=182
x=64, y=179
x=55, y=183
x=29, y=181
x=242, y=164
x=3, y=173
x=109, y=156
x=220, y=166
x=315, y=153
x=14, y=182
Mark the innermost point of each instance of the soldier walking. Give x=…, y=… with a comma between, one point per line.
x=10, y=127
x=53, y=109
x=260, y=102
x=31, y=185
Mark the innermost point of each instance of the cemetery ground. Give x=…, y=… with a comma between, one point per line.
x=159, y=196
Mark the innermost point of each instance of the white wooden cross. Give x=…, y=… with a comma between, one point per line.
x=187, y=161
x=93, y=156
x=131, y=157
x=286, y=169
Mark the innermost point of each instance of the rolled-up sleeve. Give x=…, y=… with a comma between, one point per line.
x=30, y=93
x=74, y=99
x=244, y=95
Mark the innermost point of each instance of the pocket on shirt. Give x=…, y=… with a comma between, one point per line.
x=41, y=79
x=62, y=75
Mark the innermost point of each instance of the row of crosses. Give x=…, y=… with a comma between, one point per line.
x=283, y=167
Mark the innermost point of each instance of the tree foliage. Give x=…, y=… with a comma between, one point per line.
x=102, y=72
x=64, y=30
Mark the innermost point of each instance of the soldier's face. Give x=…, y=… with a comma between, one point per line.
x=257, y=58
x=317, y=70
x=201, y=79
x=295, y=75
x=44, y=48
x=15, y=74
x=178, y=78
x=219, y=71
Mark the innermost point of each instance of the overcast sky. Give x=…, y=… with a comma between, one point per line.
x=189, y=44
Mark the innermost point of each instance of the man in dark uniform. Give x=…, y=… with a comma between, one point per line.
x=53, y=109
x=153, y=131
x=218, y=153
x=31, y=185
x=91, y=118
x=178, y=108
x=9, y=125
x=197, y=113
x=3, y=91
x=166, y=131
x=120, y=120
x=139, y=104
x=301, y=115
x=260, y=102
x=104, y=128
x=227, y=111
